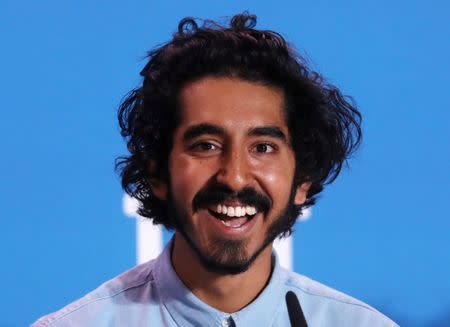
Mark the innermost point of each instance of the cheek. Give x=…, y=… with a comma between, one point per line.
x=188, y=176
x=277, y=177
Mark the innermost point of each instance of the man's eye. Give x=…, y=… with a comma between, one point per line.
x=203, y=146
x=264, y=148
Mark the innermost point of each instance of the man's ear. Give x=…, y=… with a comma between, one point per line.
x=158, y=184
x=159, y=189
x=301, y=193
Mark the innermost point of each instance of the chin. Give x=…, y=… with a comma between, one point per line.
x=230, y=257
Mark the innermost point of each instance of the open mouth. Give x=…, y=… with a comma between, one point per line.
x=233, y=217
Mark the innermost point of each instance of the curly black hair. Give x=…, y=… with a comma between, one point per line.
x=324, y=125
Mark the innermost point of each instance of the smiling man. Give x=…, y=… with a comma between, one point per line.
x=230, y=137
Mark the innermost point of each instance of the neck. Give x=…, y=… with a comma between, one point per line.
x=225, y=292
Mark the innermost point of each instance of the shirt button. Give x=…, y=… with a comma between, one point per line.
x=225, y=323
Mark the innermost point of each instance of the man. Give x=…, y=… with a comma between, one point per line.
x=231, y=136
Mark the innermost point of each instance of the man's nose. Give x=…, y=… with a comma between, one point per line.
x=234, y=170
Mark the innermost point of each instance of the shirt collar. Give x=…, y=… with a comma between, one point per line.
x=187, y=309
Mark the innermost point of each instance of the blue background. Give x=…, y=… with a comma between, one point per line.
x=381, y=232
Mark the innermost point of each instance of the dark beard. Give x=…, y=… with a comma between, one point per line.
x=228, y=256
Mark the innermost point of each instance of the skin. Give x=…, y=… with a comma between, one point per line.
x=237, y=158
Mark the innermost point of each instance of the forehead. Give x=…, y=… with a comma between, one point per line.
x=231, y=102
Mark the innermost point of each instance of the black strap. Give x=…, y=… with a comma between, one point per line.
x=295, y=310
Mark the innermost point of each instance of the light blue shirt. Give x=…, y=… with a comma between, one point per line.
x=151, y=294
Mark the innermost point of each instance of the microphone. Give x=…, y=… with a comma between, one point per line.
x=295, y=312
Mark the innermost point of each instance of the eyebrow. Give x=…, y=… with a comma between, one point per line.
x=272, y=131
x=202, y=129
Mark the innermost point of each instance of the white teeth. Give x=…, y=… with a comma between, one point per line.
x=235, y=211
x=250, y=210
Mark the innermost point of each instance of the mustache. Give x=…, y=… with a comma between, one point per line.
x=217, y=193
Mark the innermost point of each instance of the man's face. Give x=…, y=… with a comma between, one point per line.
x=231, y=171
